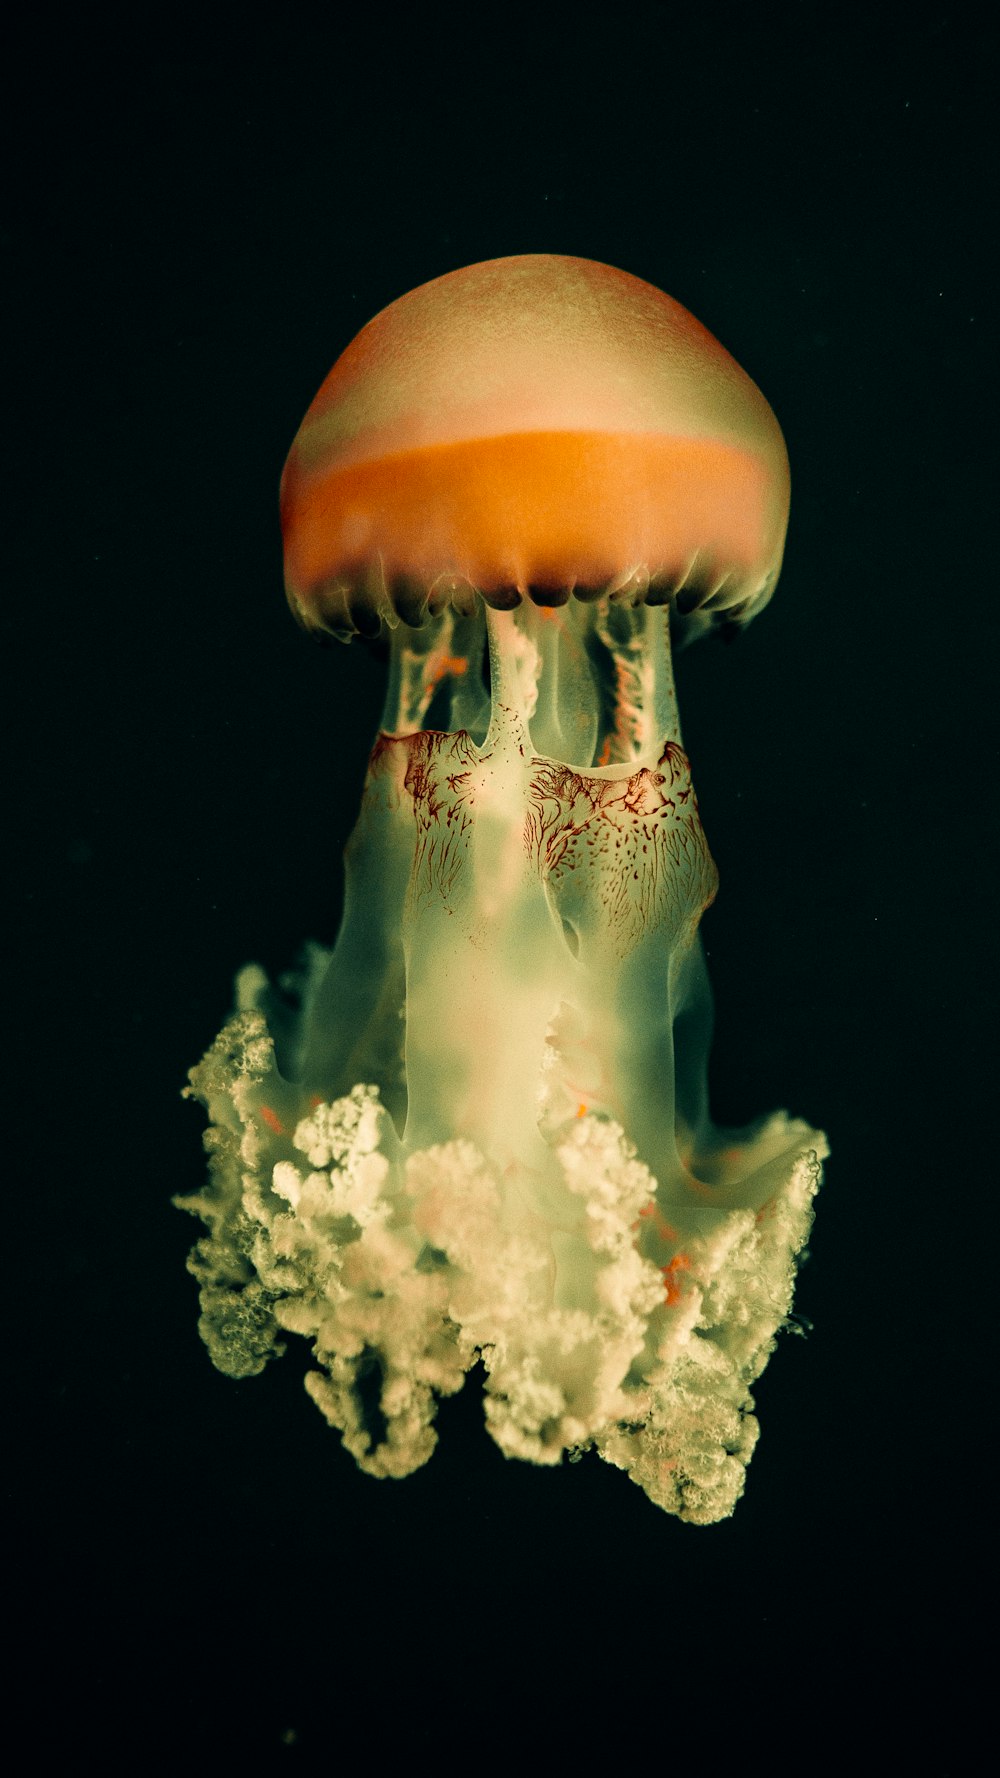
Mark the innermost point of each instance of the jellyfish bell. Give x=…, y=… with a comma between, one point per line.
x=537, y=426
x=483, y=1130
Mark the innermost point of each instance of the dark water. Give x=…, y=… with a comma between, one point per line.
x=195, y=226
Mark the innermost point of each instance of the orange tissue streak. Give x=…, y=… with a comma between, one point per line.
x=679, y=1263
x=447, y=666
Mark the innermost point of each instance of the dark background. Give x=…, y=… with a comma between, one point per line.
x=194, y=227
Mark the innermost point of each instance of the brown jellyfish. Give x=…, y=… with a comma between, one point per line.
x=481, y=1132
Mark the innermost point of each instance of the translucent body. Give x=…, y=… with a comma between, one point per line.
x=478, y=1129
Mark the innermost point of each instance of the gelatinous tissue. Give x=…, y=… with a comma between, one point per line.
x=478, y=1129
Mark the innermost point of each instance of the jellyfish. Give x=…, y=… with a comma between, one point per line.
x=476, y=1131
